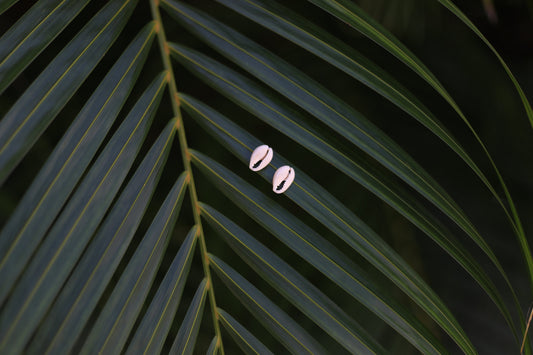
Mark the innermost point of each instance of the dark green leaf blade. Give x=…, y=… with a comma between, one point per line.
x=457, y=12
x=321, y=103
x=58, y=254
x=317, y=41
x=522, y=239
x=289, y=122
x=6, y=4
x=213, y=347
x=322, y=255
x=43, y=100
x=150, y=336
x=270, y=109
x=246, y=340
x=63, y=169
x=318, y=202
x=297, y=29
x=300, y=292
x=278, y=323
x=66, y=318
x=110, y=331
x=351, y=14
x=186, y=338
x=32, y=33
x=300, y=31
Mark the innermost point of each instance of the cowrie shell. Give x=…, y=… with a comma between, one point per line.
x=261, y=157
x=283, y=178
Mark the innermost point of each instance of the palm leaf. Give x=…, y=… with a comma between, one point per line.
x=149, y=339
x=352, y=14
x=96, y=256
x=318, y=101
x=279, y=324
x=311, y=37
x=112, y=328
x=68, y=237
x=24, y=41
x=88, y=280
x=62, y=171
x=186, y=338
x=292, y=285
x=321, y=254
x=274, y=112
x=247, y=342
x=23, y=124
x=336, y=217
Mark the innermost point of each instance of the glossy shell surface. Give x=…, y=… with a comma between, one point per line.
x=283, y=178
x=261, y=157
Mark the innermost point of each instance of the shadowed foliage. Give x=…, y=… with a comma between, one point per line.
x=130, y=221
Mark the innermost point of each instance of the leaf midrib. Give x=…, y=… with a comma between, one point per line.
x=320, y=252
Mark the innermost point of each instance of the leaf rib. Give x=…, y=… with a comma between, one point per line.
x=251, y=251
x=246, y=341
x=175, y=281
x=305, y=92
x=20, y=121
x=296, y=343
x=50, y=189
x=173, y=92
x=321, y=254
x=87, y=282
x=54, y=247
x=29, y=39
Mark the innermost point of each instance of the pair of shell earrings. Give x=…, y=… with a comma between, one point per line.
x=283, y=177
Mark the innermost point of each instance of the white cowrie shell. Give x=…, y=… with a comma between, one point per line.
x=261, y=157
x=283, y=178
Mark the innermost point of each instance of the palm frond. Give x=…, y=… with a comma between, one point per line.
x=247, y=342
x=100, y=254
x=150, y=339
x=63, y=169
x=42, y=101
x=337, y=218
x=186, y=338
x=74, y=305
x=23, y=42
x=286, y=329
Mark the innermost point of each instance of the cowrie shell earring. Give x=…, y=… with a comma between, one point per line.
x=283, y=178
x=261, y=157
